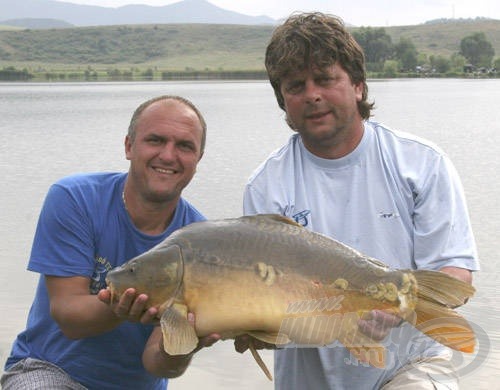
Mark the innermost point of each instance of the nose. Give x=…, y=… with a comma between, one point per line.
x=312, y=92
x=168, y=152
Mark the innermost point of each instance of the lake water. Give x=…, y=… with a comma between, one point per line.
x=51, y=130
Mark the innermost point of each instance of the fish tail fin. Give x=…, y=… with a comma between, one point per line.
x=438, y=293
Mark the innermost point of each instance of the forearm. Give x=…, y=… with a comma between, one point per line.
x=157, y=362
x=459, y=273
x=77, y=312
x=83, y=316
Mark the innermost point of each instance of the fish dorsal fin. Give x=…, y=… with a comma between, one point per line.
x=273, y=217
x=179, y=336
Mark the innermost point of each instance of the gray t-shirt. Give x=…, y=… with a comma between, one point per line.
x=396, y=198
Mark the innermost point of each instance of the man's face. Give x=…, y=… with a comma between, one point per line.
x=321, y=105
x=165, y=151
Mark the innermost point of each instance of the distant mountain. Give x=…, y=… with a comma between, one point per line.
x=37, y=24
x=186, y=11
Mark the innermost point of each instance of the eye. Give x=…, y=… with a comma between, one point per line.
x=294, y=87
x=186, y=146
x=154, y=139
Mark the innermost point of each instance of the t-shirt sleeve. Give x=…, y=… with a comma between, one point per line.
x=251, y=201
x=63, y=244
x=442, y=229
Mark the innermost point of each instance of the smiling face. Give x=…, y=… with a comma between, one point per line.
x=164, y=150
x=322, y=105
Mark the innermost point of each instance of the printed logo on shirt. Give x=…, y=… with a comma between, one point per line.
x=98, y=280
x=387, y=215
x=302, y=217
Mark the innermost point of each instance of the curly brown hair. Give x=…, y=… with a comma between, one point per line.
x=318, y=39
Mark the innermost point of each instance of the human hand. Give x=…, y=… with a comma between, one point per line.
x=377, y=324
x=130, y=306
x=206, y=341
x=242, y=343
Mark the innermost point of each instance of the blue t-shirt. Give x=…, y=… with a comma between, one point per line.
x=85, y=230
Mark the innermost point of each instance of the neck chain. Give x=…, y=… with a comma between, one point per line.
x=124, y=201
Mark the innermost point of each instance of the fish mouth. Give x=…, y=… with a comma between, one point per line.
x=112, y=291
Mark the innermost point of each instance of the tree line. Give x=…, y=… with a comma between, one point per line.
x=475, y=54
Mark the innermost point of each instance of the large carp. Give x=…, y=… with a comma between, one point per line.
x=269, y=277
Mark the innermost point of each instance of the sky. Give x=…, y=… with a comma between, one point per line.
x=355, y=12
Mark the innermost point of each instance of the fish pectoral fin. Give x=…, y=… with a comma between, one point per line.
x=179, y=336
x=270, y=338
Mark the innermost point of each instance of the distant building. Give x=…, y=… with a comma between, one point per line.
x=469, y=68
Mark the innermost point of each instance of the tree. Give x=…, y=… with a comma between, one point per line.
x=496, y=64
x=440, y=64
x=390, y=68
x=407, y=54
x=457, y=62
x=376, y=44
x=477, y=50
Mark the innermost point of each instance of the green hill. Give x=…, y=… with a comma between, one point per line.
x=170, y=47
x=192, y=47
x=443, y=38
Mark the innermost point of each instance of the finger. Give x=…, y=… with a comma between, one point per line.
x=104, y=296
x=372, y=330
x=150, y=316
x=386, y=319
x=138, y=305
x=190, y=318
x=241, y=343
x=123, y=306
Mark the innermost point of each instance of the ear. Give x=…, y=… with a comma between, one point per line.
x=128, y=147
x=358, y=90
